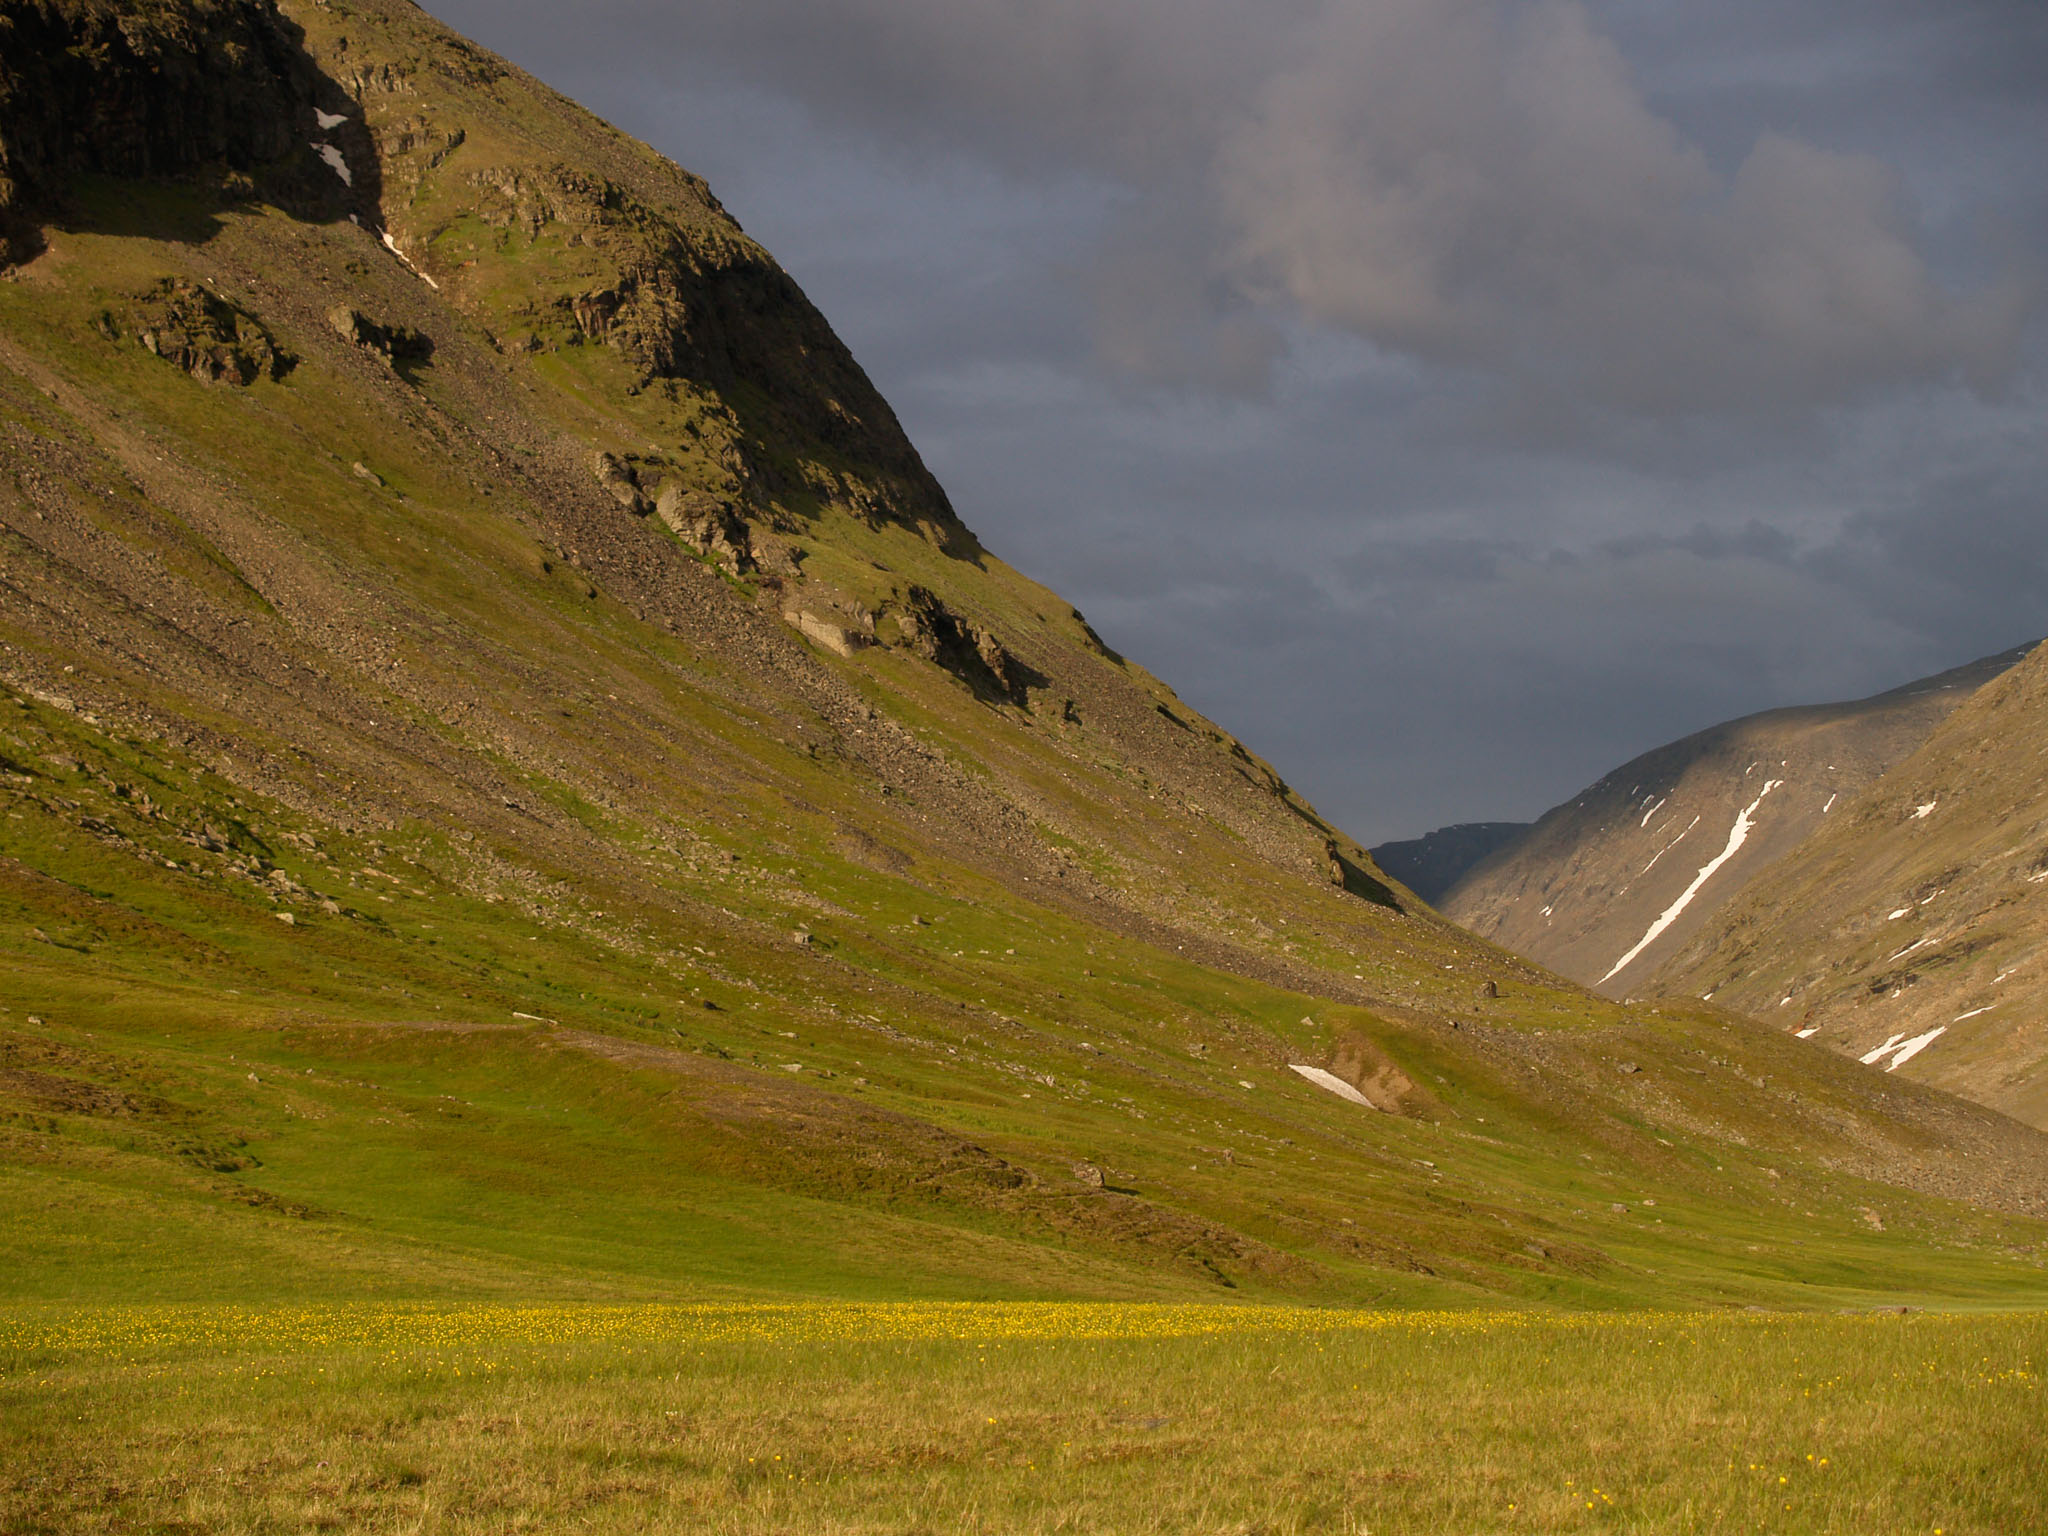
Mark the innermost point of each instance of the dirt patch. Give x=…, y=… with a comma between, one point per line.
x=1357, y=1059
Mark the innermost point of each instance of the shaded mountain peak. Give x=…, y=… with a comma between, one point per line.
x=1431, y=865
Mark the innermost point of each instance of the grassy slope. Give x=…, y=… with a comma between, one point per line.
x=546, y=797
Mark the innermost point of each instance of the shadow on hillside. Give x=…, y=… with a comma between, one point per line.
x=109, y=125
x=1357, y=882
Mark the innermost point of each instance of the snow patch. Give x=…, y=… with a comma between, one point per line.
x=1652, y=810
x=1902, y=912
x=2037, y=879
x=328, y=120
x=1667, y=848
x=1871, y=1059
x=1807, y=1034
x=337, y=162
x=1915, y=1046
x=1332, y=1082
x=391, y=245
x=1737, y=836
x=1922, y=812
x=1830, y=805
x=1973, y=1013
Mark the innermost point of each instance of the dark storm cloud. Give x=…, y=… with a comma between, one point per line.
x=1456, y=397
x=1477, y=182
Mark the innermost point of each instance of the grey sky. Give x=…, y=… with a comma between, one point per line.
x=1453, y=397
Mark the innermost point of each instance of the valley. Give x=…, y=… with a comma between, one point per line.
x=527, y=810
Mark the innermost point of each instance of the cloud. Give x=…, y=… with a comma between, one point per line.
x=1454, y=399
x=1475, y=183
x=1484, y=184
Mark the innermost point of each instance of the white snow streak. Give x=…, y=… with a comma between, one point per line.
x=2037, y=879
x=1807, y=1034
x=1915, y=1046
x=1334, y=1083
x=1667, y=848
x=1902, y=912
x=1830, y=805
x=328, y=120
x=337, y=162
x=391, y=245
x=1922, y=812
x=1652, y=810
x=1737, y=836
x=1871, y=1059
x=1974, y=1012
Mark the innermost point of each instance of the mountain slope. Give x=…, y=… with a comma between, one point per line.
x=1431, y=865
x=1917, y=919
x=1608, y=886
x=516, y=778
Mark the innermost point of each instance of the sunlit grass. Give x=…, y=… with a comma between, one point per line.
x=1015, y=1418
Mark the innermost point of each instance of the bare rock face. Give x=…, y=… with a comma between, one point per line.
x=197, y=332
x=707, y=524
x=398, y=345
x=139, y=90
x=970, y=651
x=618, y=478
x=832, y=635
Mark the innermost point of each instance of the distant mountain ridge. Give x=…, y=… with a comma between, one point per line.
x=1912, y=930
x=1432, y=864
x=1608, y=886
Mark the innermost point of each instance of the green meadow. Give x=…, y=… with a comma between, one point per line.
x=986, y=1417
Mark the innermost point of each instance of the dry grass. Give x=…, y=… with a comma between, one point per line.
x=1044, y=1418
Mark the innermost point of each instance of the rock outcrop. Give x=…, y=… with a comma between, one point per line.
x=398, y=345
x=970, y=651
x=146, y=88
x=708, y=524
x=198, y=332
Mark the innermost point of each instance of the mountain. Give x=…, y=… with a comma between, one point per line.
x=1909, y=932
x=516, y=779
x=1610, y=885
x=1432, y=864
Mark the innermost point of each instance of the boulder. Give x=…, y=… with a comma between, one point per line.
x=617, y=477
x=396, y=344
x=834, y=637
x=706, y=523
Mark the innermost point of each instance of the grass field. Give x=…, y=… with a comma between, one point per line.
x=1016, y=1418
